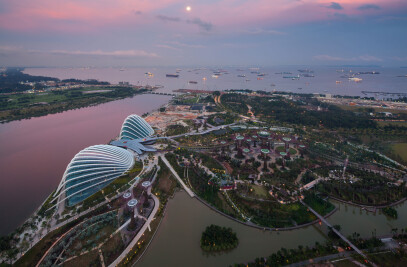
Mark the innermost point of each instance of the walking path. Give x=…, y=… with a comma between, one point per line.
x=140, y=233
x=186, y=188
x=336, y=232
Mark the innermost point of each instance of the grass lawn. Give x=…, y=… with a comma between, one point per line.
x=401, y=150
x=89, y=259
x=260, y=191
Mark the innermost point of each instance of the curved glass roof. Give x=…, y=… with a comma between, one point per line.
x=91, y=170
x=135, y=127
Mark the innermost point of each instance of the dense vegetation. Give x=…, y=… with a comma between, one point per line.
x=297, y=112
x=369, y=189
x=217, y=238
x=391, y=212
x=22, y=106
x=10, y=80
x=176, y=129
x=285, y=256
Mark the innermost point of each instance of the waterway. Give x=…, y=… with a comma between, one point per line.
x=177, y=240
x=35, y=152
x=323, y=82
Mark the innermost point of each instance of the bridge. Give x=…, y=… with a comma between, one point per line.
x=335, y=231
x=186, y=188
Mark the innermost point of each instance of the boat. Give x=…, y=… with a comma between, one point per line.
x=241, y=75
x=193, y=82
x=204, y=78
x=247, y=80
x=292, y=77
x=255, y=72
x=338, y=81
x=172, y=75
x=308, y=75
x=305, y=71
x=149, y=74
x=215, y=76
x=355, y=79
x=259, y=78
x=272, y=85
x=261, y=74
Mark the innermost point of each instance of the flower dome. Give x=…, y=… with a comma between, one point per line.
x=135, y=127
x=91, y=170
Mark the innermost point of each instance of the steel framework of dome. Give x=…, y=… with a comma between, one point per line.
x=91, y=170
x=135, y=127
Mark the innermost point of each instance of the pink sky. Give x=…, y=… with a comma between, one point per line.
x=88, y=15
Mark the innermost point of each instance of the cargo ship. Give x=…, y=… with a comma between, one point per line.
x=172, y=75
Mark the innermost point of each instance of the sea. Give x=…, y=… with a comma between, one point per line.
x=387, y=83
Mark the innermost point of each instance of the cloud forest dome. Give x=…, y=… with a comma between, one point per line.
x=135, y=127
x=91, y=170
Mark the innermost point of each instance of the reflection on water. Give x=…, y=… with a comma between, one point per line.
x=34, y=153
x=354, y=219
x=177, y=240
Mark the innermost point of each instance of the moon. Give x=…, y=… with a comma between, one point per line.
x=188, y=8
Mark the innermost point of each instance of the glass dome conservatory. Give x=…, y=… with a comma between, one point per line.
x=135, y=127
x=91, y=170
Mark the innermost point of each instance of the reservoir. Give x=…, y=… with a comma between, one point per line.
x=177, y=240
x=35, y=152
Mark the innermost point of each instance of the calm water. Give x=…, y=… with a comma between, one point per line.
x=323, y=82
x=34, y=153
x=177, y=240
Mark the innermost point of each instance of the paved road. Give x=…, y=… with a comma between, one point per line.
x=187, y=189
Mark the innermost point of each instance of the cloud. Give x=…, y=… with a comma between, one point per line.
x=369, y=7
x=167, y=47
x=263, y=32
x=119, y=53
x=207, y=26
x=366, y=58
x=329, y=58
x=116, y=53
x=176, y=43
x=335, y=6
x=166, y=18
x=400, y=58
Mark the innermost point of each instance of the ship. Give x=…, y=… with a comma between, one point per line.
x=308, y=75
x=172, y=75
x=355, y=79
x=193, y=82
x=292, y=77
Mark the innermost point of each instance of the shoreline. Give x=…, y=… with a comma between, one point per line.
x=66, y=107
x=263, y=227
x=369, y=206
